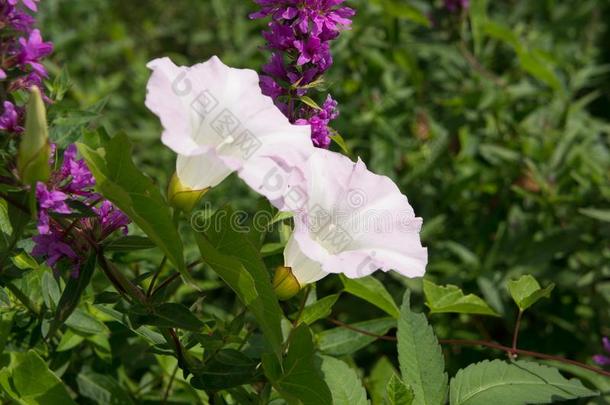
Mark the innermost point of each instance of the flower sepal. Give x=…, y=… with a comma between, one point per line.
x=182, y=197
x=285, y=284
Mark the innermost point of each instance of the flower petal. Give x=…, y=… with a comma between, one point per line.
x=214, y=111
x=355, y=222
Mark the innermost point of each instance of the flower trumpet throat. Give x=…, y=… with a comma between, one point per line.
x=182, y=197
x=34, y=149
x=285, y=284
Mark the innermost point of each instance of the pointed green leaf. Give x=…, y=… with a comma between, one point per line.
x=228, y=368
x=29, y=381
x=298, y=378
x=308, y=101
x=340, y=341
x=403, y=10
x=377, y=382
x=102, y=389
x=420, y=356
x=450, y=298
x=128, y=243
x=398, y=393
x=345, y=385
x=83, y=322
x=526, y=291
x=70, y=297
x=371, y=290
x=238, y=262
x=172, y=315
x=596, y=213
x=319, y=309
x=515, y=383
x=120, y=181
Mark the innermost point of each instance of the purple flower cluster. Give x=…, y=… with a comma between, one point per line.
x=319, y=120
x=455, y=6
x=603, y=359
x=65, y=239
x=21, y=50
x=298, y=37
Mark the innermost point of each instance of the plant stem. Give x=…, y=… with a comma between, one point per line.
x=361, y=331
x=516, y=332
x=484, y=343
x=302, y=306
x=510, y=350
x=120, y=282
x=173, y=277
x=169, y=385
x=155, y=276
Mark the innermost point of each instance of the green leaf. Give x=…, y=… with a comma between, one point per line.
x=402, y=10
x=345, y=385
x=120, y=181
x=319, y=309
x=478, y=16
x=228, y=368
x=341, y=341
x=6, y=325
x=102, y=389
x=237, y=261
x=518, y=383
x=297, y=378
x=502, y=33
x=50, y=290
x=398, y=393
x=596, y=213
x=534, y=64
x=381, y=373
x=339, y=140
x=308, y=101
x=69, y=340
x=450, y=298
x=151, y=336
x=6, y=229
x=172, y=315
x=71, y=295
x=371, y=290
x=84, y=322
x=526, y=291
x=29, y=381
x=600, y=382
x=420, y=356
x=128, y=243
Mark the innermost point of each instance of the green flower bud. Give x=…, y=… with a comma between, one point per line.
x=34, y=149
x=285, y=284
x=182, y=197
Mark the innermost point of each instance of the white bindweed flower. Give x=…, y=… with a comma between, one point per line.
x=352, y=221
x=218, y=121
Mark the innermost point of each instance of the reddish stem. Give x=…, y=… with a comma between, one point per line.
x=491, y=345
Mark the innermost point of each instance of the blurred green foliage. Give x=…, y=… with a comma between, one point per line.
x=494, y=122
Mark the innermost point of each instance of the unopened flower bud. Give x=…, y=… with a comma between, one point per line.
x=285, y=284
x=182, y=197
x=34, y=149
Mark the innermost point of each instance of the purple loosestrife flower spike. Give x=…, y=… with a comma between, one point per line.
x=299, y=36
x=66, y=240
x=23, y=49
